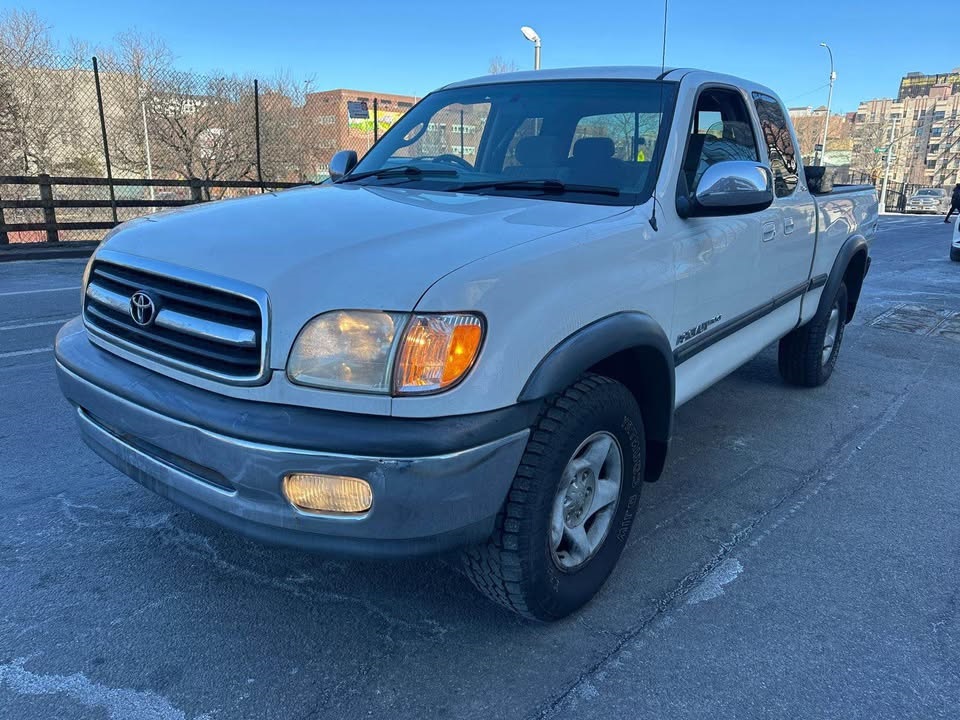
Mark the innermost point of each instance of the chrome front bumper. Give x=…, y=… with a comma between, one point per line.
x=421, y=504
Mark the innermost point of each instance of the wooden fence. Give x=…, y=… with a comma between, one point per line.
x=49, y=201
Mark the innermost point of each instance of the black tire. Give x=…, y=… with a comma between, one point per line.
x=800, y=357
x=955, y=254
x=516, y=566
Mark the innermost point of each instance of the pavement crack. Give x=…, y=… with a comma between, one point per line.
x=199, y=547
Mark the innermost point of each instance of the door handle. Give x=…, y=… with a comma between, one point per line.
x=769, y=231
x=788, y=226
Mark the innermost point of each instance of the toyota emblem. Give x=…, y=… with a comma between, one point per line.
x=143, y=310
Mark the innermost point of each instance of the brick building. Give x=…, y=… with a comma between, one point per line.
x=344, y=119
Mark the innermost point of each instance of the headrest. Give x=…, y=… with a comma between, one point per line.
x=593, y=148
x=536, y=151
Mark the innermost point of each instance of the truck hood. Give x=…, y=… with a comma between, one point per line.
x=314, y=249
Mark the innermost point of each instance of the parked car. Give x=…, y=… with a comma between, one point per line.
x=929, y=200
x=470, y=342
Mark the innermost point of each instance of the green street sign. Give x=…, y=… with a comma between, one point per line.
x=880, y=149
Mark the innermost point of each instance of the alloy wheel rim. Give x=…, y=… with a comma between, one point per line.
x=586, y=501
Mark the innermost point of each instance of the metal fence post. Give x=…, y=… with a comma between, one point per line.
x=49, y=213
x=256, y=125
x=4, y=238
x=196, y=190
x=106, y=145
x=376, y=119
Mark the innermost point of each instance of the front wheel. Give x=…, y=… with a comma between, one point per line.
x=808, y=355
x=955, y=254
x=569, y=511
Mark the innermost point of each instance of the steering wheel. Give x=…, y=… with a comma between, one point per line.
x=453, y=160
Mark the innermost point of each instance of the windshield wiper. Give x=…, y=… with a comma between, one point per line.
x=547, y=186
x=410, y=171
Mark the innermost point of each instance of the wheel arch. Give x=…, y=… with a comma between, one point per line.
x=631, y=348
x=850, y=267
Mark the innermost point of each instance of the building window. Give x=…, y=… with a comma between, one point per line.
x=937, y=132
x=934, y=147
x=931, y=164
x=939, y=115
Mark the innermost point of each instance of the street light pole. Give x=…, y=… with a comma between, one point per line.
x=530, y=34
x=826, y=121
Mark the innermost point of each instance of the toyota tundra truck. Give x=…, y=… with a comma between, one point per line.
x=475, y=337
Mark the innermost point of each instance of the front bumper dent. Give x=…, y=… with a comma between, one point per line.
x=422, y=503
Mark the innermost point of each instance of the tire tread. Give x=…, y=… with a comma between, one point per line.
x=495, y=567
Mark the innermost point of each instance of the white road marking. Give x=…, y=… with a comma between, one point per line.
x=18, y=353
x=34, y=292
x=43, y=323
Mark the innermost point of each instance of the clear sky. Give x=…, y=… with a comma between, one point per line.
x=414, y=46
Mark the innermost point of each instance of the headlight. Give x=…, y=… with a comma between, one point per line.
x=346, y=350
x=369, y=351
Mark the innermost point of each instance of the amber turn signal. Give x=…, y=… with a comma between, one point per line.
x=437, y=351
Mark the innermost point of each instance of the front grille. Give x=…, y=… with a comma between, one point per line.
x=197, y=327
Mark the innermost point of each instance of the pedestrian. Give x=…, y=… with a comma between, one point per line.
x=954, y=203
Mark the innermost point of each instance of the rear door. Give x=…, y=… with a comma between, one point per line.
x=786, y=252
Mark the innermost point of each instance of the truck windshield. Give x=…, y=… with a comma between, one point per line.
x=591, y=141
x=930, y=193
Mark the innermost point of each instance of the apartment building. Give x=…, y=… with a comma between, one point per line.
x=921, y=128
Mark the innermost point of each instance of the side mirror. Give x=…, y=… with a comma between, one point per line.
x=342, y=163
x=732, y=187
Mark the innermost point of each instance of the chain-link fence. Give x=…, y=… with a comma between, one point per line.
x=129, y=119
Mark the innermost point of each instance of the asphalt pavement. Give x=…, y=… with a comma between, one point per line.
x=799, y=558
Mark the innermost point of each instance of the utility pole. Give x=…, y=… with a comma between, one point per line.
x=886, y=167
x=826, y=121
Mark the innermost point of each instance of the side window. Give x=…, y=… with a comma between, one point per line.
x=780, y=147
x=721, y=130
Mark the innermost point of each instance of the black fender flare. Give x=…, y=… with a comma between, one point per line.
x=632, y=348
x=854, y=245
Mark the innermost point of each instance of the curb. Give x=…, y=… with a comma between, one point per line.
x=51, y=251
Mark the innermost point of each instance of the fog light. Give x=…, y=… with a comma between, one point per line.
x=328, y=493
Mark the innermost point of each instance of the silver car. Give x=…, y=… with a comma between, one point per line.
x=929, y=200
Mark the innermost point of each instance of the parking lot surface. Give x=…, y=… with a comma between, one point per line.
x=799, y=558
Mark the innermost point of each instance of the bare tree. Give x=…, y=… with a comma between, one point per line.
x=865, y=137
x=289, y=133
x=202, y=127
x=498, y=66
x=44, y=89
x=809, y=131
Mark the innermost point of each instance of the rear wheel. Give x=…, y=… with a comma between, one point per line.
x=808, y=355
x=569, y=511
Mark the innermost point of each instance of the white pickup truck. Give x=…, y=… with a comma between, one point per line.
x=476, y=336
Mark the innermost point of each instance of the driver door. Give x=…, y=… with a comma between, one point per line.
x=717, y=258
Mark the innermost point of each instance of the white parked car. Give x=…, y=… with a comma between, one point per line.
x=470, y=344
x=929, y=200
